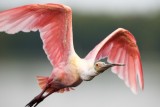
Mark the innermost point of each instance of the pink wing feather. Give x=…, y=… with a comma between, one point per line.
x=54, y=21
x=120, y=47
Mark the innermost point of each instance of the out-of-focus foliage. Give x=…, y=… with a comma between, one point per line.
x=94, y=28
x=88, y=31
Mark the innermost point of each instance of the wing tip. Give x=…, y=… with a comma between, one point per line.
x=121, y=30
x=142, y=85
x=127, y=33
x=65, y=7
x=134, y=91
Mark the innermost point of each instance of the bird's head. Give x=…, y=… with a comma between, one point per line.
x=100, y=67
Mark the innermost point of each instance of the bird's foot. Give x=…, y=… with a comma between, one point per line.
x=35, y=101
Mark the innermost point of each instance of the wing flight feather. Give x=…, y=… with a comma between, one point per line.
x=54, y=22
x=120, y=47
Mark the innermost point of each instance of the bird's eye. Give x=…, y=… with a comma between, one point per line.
x=97, y=65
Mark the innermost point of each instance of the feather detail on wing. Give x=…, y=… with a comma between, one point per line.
x=120, y=47
x=54, y=21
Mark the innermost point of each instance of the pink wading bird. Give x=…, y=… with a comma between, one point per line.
x=54, y=22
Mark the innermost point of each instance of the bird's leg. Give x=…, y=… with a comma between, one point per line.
x=36, y=100
x=43, y=97
x=50, y=93
x=39, y=98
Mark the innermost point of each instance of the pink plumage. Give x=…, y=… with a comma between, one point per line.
x=120, y=47
x=54, y=22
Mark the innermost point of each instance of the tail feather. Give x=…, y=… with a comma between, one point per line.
x=42, y=81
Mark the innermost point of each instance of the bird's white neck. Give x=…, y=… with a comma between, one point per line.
x=85, y=68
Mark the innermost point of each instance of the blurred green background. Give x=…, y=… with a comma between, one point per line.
x=90, y=29
x=22, y=56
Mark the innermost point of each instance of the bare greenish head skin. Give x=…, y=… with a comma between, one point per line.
x=100, y=66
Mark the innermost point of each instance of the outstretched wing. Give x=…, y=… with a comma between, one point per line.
x=120, y=47
x=54, y=21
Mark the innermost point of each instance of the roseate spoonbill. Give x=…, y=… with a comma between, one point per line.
x=54, y=22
